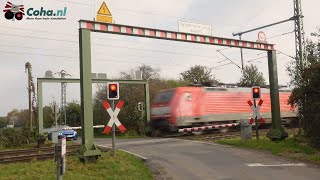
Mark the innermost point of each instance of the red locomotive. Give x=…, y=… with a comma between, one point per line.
x=197, y=106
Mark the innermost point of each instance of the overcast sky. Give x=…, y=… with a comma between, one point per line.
x=53, y=44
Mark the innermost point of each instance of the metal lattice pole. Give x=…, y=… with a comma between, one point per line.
x=301, y=57
x=299, y=35
x=63, y=102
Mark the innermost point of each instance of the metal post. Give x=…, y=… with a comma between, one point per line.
x=276, y=132
x=146, y=86
x=28, y=66
x=256, y=120
x=88, y=151
x=113, y=134
x=40, y=108
x=58, y=158
x=299, y=35
x=241, y=53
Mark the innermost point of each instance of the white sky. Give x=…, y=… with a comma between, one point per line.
x=28, y=41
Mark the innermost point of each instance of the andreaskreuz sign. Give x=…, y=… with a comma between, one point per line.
x=195, y=28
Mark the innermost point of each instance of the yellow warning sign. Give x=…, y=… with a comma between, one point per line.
x=104, y=18
x=104, y=10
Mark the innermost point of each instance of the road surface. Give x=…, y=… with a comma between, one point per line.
x=184, y=159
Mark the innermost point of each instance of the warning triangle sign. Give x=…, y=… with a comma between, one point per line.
x=104, y=10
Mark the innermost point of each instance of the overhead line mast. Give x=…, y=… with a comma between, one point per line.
x=299, y=34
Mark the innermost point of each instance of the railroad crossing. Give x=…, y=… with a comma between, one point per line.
x=85, y=29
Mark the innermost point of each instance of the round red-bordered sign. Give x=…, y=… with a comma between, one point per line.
x=262, y=36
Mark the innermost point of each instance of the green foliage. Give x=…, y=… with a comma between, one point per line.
x=293, y=147
x=13, y=137
x=3, y=122
x=307, y=90
x=199, y=75
x=73, y=113
x=47, y=119
x=123, y=166
x=251, y=77
x=21, y=117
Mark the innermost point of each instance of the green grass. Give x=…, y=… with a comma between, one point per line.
x=295, y=148
x=123, y=166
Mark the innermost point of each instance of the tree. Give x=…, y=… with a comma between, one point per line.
x=73, y=113
x=48, y=121
x=199, y=75
x=21, y=117
x=307, y=90
x=251, y=77
x=3, y=122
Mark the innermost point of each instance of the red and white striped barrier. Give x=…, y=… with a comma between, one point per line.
x=114, y=118
x=208, y=127
x=171, y=35
x=256, y=112
x=79, y=127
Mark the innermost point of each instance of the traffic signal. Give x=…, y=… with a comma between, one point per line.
x=256, y=92
x=113, y=91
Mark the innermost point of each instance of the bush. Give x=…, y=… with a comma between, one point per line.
x=12, y=137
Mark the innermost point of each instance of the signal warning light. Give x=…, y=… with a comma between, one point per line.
x=113, y=91
x=256, y=92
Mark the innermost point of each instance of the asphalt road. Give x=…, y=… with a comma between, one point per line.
x=184, y=159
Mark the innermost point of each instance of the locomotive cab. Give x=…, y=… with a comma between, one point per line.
x=161, y=116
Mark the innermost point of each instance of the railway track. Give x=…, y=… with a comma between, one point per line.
x=233, y=134
x=26, y=155
x=236, y=134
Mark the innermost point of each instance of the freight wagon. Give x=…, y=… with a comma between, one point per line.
x=197, y=106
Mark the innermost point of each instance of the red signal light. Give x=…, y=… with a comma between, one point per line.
x=113, y=87
x=256, y=92
x=113, y=91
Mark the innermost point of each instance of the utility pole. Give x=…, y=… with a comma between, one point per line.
x=63, y=119
x=241, y=53
x=299, y=35
x=28, y=68
x=301, y=57
x=55, y=113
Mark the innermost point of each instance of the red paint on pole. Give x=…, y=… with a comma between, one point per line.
x=103, y=27
x=107, y=130
x=250, y=103
x=251, y=121
x=116, y=29
x=260, y=102
x=122, y=128
x=152, y=33
x=120, y=104
x=106, y=105
x=89, y=25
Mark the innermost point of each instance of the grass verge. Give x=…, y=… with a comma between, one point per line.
x=123, y=166
x=292, y=147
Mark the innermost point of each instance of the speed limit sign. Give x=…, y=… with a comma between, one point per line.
x=262, y=36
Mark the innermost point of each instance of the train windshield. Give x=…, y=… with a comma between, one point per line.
x=164, y=97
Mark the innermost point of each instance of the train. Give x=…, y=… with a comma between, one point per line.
x=183, y=107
